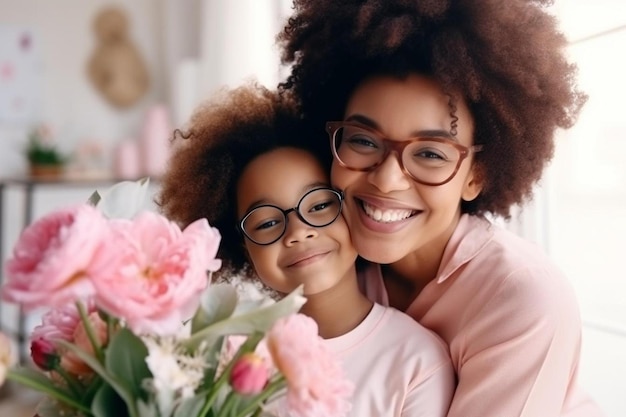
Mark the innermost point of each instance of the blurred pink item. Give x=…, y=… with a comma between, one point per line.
x=126, y=160
x=155, y=141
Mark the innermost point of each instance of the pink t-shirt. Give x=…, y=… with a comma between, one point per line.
x=511, y=321
x=399, y=367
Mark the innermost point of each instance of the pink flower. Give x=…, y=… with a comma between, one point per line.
x=44, y=354
x=316, y=384
x=249, y=374
x=231, y=346
x=5, y=357
x=64, y=323
x=151, y=274
x=49, y=262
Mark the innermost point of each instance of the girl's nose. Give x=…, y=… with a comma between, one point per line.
x=298, y=231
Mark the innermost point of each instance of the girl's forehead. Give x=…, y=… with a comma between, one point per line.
x=279, y=177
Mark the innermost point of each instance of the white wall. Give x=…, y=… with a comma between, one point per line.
x=580, y=212
x=70, y=104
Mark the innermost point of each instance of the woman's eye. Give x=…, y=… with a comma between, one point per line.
x=430, y=154
x=362, y=141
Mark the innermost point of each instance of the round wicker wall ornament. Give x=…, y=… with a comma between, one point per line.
x=116, y=68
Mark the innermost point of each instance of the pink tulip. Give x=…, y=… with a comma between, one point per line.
x=49, y=262
x=249, y=375
x=44, y=354
x=151, y=274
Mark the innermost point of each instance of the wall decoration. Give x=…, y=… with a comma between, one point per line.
x=116, y=68
x=21, y=73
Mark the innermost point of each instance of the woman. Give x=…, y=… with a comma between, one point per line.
x=441, y=113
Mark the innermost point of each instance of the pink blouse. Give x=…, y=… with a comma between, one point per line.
x=511, y=320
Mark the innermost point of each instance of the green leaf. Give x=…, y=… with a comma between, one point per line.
x=126, y=360
x=107, y=403
x=118, y=385
x=39, y=382
x=94, y=198
x=259, y=320
x=218, y=302
x=190, y=407
x=148, y=409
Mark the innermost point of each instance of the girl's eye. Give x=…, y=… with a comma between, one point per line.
x=267, y=224
x=321, y=206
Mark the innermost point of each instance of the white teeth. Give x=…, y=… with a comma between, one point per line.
x=386, y=216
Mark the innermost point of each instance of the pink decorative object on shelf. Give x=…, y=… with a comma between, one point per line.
x=154, y=145
x=126, y=161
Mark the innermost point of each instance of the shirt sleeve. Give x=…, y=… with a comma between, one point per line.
x=431, y=396
x=519, y=355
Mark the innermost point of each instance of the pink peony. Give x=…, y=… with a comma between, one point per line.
x=316, y=384
x=49, y=262
x=64, y=323
x=151, y=274
x=249, y=374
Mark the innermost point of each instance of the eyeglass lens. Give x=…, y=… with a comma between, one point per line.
x=266, y=224
x=428, y=160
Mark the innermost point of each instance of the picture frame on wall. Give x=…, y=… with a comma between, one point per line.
x=21, y=74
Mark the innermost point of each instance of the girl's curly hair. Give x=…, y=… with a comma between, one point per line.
x=210, y=154
x=504, y=58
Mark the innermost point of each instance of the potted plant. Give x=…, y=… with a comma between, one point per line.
x=44, y=159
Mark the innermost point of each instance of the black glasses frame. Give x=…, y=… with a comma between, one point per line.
x=286, y=212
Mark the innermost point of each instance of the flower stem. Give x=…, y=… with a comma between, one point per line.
x=229, y=404
x=69, y=379
x=48, y=390
x=248, y=346
x=90, y=332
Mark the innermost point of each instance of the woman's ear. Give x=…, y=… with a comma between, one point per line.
x=473, y=183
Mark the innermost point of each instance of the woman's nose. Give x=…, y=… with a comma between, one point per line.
x=389, y=176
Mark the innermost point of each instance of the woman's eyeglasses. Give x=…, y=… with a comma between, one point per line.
x=427, y=160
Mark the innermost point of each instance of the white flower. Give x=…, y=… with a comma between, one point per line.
x=176, y=374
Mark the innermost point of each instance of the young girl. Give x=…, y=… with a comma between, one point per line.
x=441, y=113
x=274, y=207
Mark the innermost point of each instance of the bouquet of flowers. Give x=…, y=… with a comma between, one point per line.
x=135, y=329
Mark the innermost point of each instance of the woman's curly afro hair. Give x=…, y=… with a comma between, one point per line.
x=224, y=135
x=505, y=58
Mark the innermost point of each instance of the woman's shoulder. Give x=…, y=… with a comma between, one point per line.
x=499, y=253
x=499, y=268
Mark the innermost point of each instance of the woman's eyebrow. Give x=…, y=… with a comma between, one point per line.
x=426, y=133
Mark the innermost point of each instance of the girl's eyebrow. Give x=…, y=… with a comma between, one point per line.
x=426, y=133
x=304, y=190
